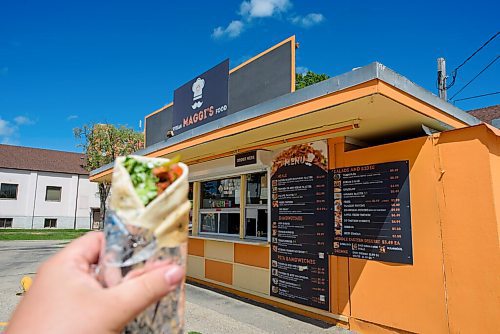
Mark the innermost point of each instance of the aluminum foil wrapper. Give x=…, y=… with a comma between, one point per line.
x=129, y=248
x=138, y=236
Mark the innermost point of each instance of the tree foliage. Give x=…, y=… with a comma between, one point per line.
x=308, y=79
x=102, y=144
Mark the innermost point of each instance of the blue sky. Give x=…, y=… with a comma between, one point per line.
x=67, y=63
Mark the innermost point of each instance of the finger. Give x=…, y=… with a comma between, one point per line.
x=85, y=248
x=135, y=295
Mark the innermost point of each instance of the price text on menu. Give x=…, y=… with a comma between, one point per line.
x=372, y=217
x=301, y=231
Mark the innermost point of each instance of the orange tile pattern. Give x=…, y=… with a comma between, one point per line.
x=257, y=256
x=196, y=247
x=219, y=271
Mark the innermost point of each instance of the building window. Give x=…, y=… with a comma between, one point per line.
x=8, y=191
x=6, y=222
x=53, y=194
x=50, y=223
x=220, y=203
x=256, y=212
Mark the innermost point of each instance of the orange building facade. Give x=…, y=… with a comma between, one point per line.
x=368, y=116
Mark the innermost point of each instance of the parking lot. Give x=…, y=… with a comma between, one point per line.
x=206, y=311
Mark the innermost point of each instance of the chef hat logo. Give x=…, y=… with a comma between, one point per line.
x=198, y=88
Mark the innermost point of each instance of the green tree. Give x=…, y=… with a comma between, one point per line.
x=307, y=79
x=102, y=144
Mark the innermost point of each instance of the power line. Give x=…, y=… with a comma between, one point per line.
x=454, y=72
x=484, y=69
x=475, y=97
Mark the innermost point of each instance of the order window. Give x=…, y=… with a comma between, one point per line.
x=256, y=210
x=220, y=206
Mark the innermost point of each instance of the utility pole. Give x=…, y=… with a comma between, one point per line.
x=441, y=79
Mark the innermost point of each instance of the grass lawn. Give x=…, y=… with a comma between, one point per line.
x=45, y=234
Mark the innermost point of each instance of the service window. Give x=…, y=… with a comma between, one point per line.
x=220, y=206
x=53, y=194
x=256, y=211
x=8, y=191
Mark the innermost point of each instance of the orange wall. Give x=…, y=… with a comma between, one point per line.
x=407, y=297
x=470, y=228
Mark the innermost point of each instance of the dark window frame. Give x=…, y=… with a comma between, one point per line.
x=49, y=221
x=3, y=192
x=3, y=222
x=53, y=188
x=261, y=209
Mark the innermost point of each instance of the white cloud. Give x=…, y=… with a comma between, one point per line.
x=6, y=129
x=301, y=70
x=309, y=20
x=9, y=130
x=259, y=9
x=233, y=30
x=263, y=8
x=23, y=120
x=71, y=117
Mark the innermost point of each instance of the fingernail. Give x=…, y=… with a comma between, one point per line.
x=174, y=275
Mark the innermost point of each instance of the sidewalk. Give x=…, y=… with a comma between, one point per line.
x=210, y=312
x=207, y=311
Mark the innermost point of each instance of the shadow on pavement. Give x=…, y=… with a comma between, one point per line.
x=314, y=322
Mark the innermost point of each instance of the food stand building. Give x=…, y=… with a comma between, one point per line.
x=363, y=200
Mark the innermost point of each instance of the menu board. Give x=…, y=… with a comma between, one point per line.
x=372, y=218
x=301, y=225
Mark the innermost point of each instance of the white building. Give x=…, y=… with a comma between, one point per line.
x=45, y=189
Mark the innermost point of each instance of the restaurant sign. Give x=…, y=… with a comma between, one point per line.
x=201, y=100
x=372, y=212
x=301, y=225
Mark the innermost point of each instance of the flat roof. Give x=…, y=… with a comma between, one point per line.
x=356, y=77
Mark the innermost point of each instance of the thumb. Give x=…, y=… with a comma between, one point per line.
x=134, y=295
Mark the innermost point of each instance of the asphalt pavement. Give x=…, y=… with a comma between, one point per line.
x=207, y=311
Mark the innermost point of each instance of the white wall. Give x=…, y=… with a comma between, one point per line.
x=20, y=209
x=30, y=209
x=88, y=197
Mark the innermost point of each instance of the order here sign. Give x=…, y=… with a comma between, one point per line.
x=201, y=100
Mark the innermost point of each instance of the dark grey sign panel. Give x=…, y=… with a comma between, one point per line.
x=246, y=158
x=157, y=126
x=201, y=100
x=372, y=219
x=263, y=79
